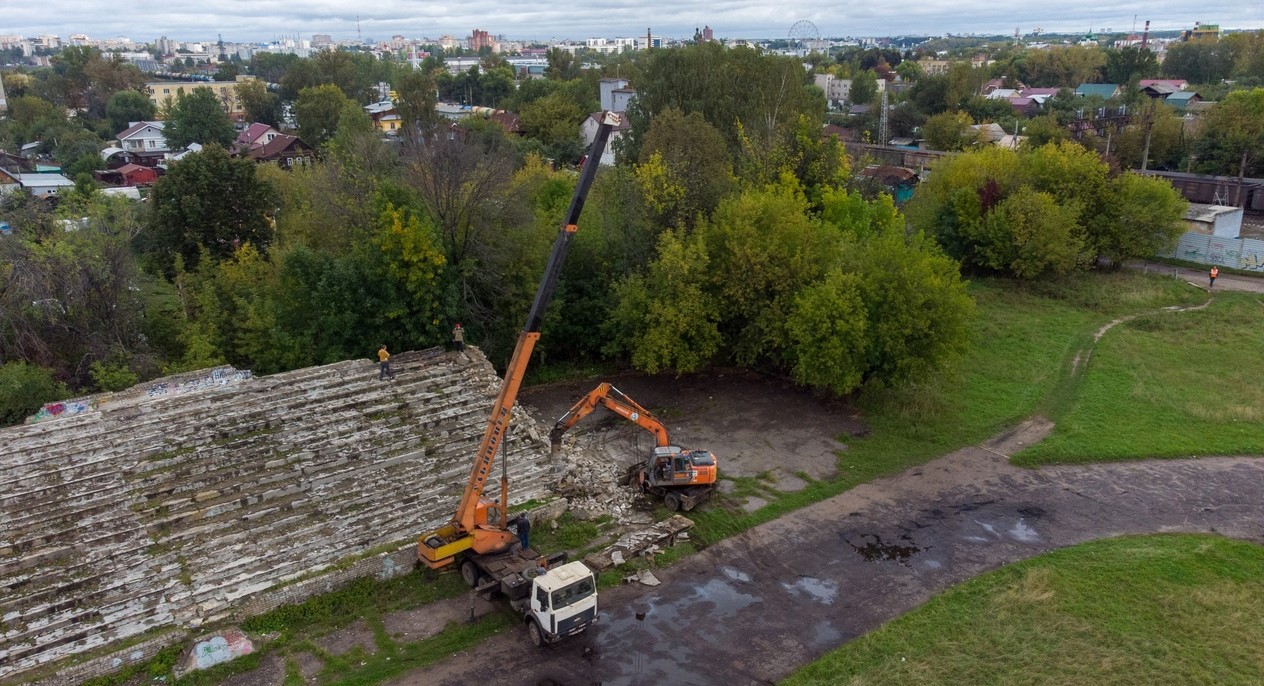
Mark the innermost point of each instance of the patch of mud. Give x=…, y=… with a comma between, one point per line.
x=753, y=503
x=1026, y=434
x=308, y=665
x=876, y=550
x=343, y=641
x=270, y=672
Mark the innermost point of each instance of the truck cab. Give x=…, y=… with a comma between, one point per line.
x=563, y=602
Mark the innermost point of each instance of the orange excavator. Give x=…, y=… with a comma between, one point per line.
x=554, y=601
x=682, y=478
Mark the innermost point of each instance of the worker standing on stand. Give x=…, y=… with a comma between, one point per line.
x=458, y=338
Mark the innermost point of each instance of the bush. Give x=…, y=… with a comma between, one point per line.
x=24, y=388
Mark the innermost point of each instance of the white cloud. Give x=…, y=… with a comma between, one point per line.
x=254, y=20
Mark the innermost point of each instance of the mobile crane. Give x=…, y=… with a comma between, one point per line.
x=682, y=478
x=554, y=600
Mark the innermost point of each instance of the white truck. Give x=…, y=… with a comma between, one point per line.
x=554, y=600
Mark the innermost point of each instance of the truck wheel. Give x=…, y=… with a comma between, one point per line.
x=469, y=572
x=672, y=501
x=535, y=633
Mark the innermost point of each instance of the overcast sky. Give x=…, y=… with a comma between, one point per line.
x=262, y=20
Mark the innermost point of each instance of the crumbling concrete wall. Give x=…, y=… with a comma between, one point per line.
x=148, y=511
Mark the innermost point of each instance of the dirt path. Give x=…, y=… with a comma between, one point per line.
x=1198, y=277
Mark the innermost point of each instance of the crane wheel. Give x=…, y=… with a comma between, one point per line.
x=469, y=572
x=672, y=501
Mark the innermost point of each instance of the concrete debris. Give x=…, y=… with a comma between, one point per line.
x=646, y=541
x=647, y=578
x=591, y=483
x=617, y=557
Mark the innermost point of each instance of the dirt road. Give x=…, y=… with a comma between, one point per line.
x=753, y=608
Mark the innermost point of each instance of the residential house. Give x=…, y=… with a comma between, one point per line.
x=588, y=130
x=136, y=175
x=384, y=116
x=615, y=95
x=8, y=181
x=15, y=163
x=254, y=136
x=1105, y=91
x=285, y=151
x=1184, y=100
x=144, y=142
x=900, y=182
x=1040, y=95
x=44, y=185
x=1159, y=91
x=508, y=121
x=1178, y=84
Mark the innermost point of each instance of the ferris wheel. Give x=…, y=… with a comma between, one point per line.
x=804, y=36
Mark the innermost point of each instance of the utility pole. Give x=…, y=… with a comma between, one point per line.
x=1149, y=125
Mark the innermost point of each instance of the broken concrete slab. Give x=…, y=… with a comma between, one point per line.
x=638, y=542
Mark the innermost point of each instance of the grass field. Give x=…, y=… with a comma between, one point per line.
x=1168, y=384
x=1137, y=611
x=1025, y=338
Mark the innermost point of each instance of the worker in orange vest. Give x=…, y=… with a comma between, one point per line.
x=1215, y=271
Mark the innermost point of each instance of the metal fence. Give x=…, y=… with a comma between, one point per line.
x=1237, y=253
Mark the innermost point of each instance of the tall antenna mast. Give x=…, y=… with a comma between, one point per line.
x=359, y=37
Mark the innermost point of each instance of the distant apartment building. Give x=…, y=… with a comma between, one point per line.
x=480, y=39
x=320, y=41
x=1202, y=32
x=162, y=91
x=934, y=67
x=448, y=42
x=166, y=46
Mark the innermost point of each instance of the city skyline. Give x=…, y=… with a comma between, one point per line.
x=247, y=21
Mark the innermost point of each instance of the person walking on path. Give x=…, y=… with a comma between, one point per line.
x=1215, y=271
x=384, y=360
x=458, y=337
x=523, y=524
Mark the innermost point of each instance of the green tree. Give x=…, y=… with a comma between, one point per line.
x=909, y=71
x=562, y=65
x=317, y=112
x=948, y=131
x=1128, y=63
x=554, y=121
x=1198, y=61
x=416, y=105
x=696, y=158
x=208, y=202
x=667, y=320
x=1147, y=218
x=1043, y=130
x=199, y=117
x=1232, y=138
x=126, y=107
x=24, y=388
x=259, y=104
x=828, y=328
x=864, y=88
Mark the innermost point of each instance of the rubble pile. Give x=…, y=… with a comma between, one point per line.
x=594, y=478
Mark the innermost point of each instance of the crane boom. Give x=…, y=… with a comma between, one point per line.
x=471, y=527
x=617, y=402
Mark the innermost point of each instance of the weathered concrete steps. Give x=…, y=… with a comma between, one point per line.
x=150, y=512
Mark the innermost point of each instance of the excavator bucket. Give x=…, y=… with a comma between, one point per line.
x=629, y=475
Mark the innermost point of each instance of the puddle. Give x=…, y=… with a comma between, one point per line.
x=825, y=635
x=877, y=551
x=823, y=591
x=735, y=574
x=1024, y=533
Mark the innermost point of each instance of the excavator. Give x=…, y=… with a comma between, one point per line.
x=682, y=478
x=554, y=600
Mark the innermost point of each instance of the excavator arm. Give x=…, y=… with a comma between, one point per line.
x=471, y=527
x=617, y=402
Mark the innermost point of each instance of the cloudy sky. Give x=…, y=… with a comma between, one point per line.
x=262, y=20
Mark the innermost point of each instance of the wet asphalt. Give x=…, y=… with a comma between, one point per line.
x=753, y=608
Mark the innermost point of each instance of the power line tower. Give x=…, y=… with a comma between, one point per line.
x=882, y=120
x=359, y=36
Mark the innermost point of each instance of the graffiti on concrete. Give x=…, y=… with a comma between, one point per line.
x=64, y=408
x=217, y=377
x=220, y=376
x=1238, y=253
x=223, y=647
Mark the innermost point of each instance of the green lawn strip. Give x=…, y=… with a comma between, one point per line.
x=350, y=670
x=1171, y=384
x=1133, y=611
